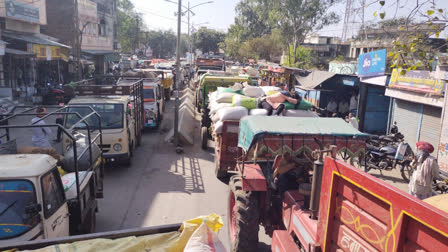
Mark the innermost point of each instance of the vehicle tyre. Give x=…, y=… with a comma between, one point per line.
x=204, y=137
x=88, y=227
x=243, y=217
x=406, y=171
x=139, y=139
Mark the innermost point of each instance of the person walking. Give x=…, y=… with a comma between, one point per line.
x=426, y=171
x=40, y=134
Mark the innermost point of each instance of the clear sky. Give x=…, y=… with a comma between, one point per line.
x=220, y=14
x=159, y=14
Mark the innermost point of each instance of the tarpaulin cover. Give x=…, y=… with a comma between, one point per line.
x=254, y=127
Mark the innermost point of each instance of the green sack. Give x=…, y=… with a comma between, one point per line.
x=244, y=101
x=303, y=105
x=222, y=90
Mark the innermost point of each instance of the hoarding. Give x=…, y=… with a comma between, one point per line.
x=17, y=10
x=418, y=81
x=372, y=63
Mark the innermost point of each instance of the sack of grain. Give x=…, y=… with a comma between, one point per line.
x=219, y=106
x=225, y=97
x=260, y=112
x=217, y=127
x=252, y=91
x=231, y=113
x=244, y=101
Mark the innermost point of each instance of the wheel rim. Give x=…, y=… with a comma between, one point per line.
x=407, y=170
x=232, y=216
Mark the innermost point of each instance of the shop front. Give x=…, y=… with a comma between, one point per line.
x=417, y=102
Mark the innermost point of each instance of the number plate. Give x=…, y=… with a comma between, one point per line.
x=150, y=121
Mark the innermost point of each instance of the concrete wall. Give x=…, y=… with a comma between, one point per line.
x=60, y=23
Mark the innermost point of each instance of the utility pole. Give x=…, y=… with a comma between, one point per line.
x=76, y=46
x=176, y=102
x=137, y=34
x=189, y=38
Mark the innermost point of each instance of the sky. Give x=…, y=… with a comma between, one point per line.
x=159, y=14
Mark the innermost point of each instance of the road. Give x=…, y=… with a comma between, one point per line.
x=162, y=187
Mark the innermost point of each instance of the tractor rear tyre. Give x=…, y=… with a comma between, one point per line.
x=204, y=137
x=243, y=217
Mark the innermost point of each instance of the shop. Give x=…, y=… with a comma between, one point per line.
x=374, y=105
x=417, y=102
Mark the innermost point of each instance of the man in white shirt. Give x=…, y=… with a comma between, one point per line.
x=353, y=121
x=332, y=106
x=343, y=108
x=40, y=134
x=354, y=103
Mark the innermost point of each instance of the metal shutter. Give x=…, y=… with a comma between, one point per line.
x=407, y=115
x=431, y=124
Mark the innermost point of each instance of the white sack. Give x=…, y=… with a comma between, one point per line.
x=219, y=106
x=252, y=91
x=204, y=240
x=225, y=97
x=217, y=127
x=266, y=89
x=231, y=113
x=261, y=112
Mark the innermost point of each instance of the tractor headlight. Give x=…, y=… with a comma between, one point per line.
x=117, y=147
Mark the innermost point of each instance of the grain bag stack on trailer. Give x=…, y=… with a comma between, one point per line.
x=227, y=106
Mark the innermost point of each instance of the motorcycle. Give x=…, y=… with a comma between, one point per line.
x=390, y=157
x=395, y=137
x=54, y=94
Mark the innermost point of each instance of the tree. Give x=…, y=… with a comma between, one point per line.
x=126, y=25
x=411, y=49
x=162, y=43
x=296, y=18
x=266, y=47
x=208, y=40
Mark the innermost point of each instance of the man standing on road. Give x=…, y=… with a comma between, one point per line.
x=40, y=134
x=427, y=169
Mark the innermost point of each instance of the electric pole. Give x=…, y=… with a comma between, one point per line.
x=189, y=38
x=136, y=34
x=76, y=43
x=176, y=102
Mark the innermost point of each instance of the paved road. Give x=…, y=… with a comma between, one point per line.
x=162, y=187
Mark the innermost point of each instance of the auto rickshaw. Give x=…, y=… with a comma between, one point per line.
x=207, y=85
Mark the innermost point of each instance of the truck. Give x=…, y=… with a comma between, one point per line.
x=153, y=100
x=122, y=116
x=290, y=180
x=42, y=197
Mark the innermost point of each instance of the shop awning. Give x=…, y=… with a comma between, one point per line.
x=32, y=38
x=108, y=54
x=19, y=52
x=313, y=79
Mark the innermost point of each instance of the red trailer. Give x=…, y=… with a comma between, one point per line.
x=226, y=148
x=335, y=206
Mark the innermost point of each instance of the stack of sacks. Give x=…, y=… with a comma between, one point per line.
x=227, y=114
x=270, y=90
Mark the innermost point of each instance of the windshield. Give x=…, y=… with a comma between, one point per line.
x=15, y=197
x=148, y=93
x=111, y=116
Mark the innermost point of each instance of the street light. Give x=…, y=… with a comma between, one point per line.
x=189, y=10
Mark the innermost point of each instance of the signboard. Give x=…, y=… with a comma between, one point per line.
x=372, y=63
x=418, y=81
x=22, y=11
x=44, y=52
x=343, y=68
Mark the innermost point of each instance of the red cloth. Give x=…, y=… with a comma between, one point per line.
x=422, y=145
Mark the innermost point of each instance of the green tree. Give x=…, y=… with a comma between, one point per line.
x=411, y=48
x=126, y=25
x=266, y=47
x=208, y=40
x=302, y=58
x=162, y=43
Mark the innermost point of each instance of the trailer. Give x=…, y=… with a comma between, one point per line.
x=290, y=181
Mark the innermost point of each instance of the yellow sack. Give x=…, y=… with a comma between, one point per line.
x=272, y=92
x=213, y=221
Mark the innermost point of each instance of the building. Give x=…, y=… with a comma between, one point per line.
x=30, y=59
x=325, y=48
x=97, y=23
x=374, y=39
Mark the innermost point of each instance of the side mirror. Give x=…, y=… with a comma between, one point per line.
x=33, y=209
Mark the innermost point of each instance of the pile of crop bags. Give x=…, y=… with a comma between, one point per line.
x=238, y=101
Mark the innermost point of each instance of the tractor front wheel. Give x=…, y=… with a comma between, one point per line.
x=204, y=138
x=243, y=217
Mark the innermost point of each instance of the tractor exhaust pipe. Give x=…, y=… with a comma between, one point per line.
x=317, y=176
x=315, y=188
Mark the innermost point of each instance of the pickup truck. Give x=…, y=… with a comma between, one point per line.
x=42, y=197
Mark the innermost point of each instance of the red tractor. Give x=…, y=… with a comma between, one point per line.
x=307, y=204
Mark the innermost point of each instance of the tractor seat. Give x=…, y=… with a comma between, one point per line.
x=305, y=189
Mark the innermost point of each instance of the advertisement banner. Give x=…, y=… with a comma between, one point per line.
x=372, y=63
x=22, y=11
x=418, y=81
